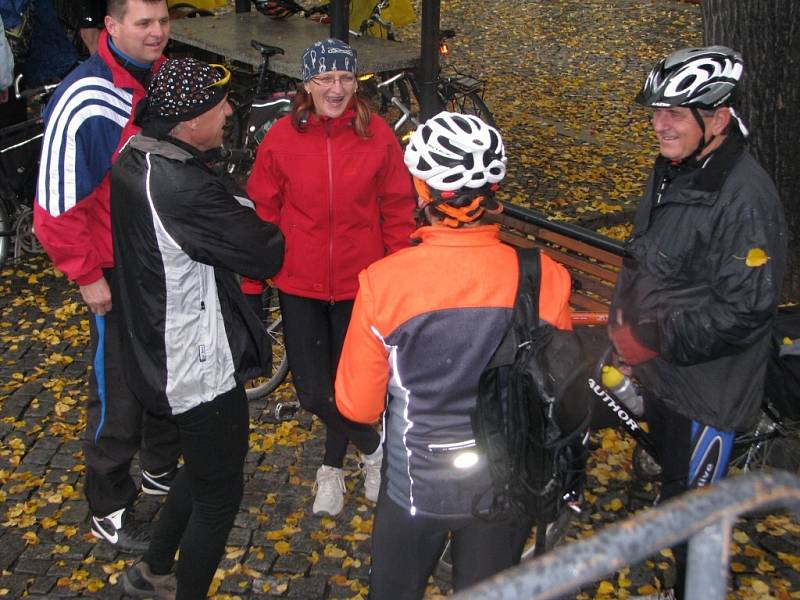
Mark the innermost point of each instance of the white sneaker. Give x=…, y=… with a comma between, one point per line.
x=330, y=491
x=372, y=477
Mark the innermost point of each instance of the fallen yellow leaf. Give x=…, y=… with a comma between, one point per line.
x=605, y=587
x=741, y=537
x=334, y=551
x=30, y=538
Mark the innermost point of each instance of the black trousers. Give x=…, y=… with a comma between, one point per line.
x=314, y=333
x=205, y=496
x=117, y=427
x=406, y=549
x=671, y=433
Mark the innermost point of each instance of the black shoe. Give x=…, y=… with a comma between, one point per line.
x=119, y=529
x=139, y=581
x=158, y=484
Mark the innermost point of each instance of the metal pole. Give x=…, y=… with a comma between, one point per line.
x=429, y=60
x=340, y=20
x=707, y=569
x=242, y=6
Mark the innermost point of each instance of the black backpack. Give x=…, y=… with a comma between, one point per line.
x=533, y=411
x=783, y=370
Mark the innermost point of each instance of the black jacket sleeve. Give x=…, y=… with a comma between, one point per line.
x=215, y=224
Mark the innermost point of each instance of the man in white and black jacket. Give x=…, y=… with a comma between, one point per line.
x=181, y=234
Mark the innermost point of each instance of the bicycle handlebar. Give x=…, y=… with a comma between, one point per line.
x=36, y=92
x=236, y=155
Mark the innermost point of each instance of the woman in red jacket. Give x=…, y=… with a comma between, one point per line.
x=331, y=176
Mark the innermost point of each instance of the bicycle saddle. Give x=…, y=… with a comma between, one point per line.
x=265, y=49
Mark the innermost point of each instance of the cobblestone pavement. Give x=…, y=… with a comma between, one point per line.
x=544, y=92
x=277, y=547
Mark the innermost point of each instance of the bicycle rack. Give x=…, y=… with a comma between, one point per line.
x=704, y=517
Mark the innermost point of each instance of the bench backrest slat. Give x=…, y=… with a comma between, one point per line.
x=593, y=270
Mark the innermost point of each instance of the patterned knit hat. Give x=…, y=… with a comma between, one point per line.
x=328, y=55
x=182, y=89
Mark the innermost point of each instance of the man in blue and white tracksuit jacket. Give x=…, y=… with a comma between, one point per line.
x=86, y=123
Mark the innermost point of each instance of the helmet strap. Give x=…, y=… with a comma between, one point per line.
x=702, y=143
x=481, y=201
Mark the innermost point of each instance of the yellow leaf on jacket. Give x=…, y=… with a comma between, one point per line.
x=756, y=257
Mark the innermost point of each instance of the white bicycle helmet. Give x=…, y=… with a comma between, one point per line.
x=693, y=77
x=451, y=151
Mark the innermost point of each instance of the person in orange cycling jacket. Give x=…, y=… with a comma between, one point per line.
x=425, y=323
x=331, y=176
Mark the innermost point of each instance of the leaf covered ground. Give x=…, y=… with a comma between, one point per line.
x=277, y=547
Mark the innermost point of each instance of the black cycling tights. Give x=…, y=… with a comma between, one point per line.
x=204, y=498
x=314, y=333
x=406, y=549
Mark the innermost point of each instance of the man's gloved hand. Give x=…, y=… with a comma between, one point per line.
x=628, y=347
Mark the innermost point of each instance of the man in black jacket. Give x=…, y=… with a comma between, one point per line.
x=181, y=233
x=695, y=299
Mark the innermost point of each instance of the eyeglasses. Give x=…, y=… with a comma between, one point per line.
x=225, y=76
x=327, y=81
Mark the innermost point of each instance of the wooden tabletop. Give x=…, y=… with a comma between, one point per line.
x=230, y=34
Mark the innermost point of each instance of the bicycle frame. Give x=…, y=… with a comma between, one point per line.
x=746, y=445
x=456, y=91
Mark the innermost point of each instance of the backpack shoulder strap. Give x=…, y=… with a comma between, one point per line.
x=525, y=316
x=526, y=307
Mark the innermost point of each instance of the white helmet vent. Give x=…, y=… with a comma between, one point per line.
x=451, y=151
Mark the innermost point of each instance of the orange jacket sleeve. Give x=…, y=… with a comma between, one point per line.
x=554, y=292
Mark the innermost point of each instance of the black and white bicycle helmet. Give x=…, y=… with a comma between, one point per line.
x=693, y=77
x=451, y=151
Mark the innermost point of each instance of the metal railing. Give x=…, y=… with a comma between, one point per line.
x=705, y=517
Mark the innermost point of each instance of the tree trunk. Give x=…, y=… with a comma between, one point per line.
x=767, y=33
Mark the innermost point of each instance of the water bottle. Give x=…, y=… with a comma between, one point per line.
x=623, y=389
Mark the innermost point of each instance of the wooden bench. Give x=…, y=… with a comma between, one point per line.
x=592, y=259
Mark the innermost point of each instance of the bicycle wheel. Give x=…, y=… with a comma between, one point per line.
x=769, y=445
x=468, y=103
x=25, y=236
x=232, y=132
x=5, y=229
x=396, y=102
x=264, y=386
